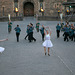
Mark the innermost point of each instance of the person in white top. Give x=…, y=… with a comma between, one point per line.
x=47, y=43
x=2, y=48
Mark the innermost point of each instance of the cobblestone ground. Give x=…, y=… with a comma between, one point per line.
x=24, y=58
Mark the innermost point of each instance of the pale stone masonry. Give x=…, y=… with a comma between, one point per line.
x=50, y=7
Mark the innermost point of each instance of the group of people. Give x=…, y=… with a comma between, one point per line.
x=45, y=32
x=69, y=31
x=29, y=31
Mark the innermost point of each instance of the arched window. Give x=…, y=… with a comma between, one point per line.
x=69, y=0
x=15, y=0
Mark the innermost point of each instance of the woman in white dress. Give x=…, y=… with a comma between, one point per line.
x=2, y=48
x=47, y=43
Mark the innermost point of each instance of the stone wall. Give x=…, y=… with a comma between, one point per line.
x=50, y=7
x=71, y=0
x=7, y=6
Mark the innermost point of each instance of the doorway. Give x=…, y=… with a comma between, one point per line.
x=28, y=9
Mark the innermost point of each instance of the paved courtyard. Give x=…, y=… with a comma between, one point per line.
x=24, y=58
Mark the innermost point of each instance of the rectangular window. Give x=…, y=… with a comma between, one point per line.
x=16, y=5
x=41, y=5
x=40, y=0
x=15, y=0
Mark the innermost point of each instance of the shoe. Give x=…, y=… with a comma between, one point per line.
x=45, y=53
x=25, y=38
x=30, y=41
x=35, y=40
x=67, y=40
x=48, y=54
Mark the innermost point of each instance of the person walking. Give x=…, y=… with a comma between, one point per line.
x=31, y=38
x=18, y=30
x=47, y=43
x=27, y=32
x=58, y=30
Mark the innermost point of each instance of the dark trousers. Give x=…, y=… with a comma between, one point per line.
x=26, y=36
x=66, y=36
x=43, y=37
x=9, y=29
x=17, y=36
x=74, y=37
x=58, y=33
x=30, y=37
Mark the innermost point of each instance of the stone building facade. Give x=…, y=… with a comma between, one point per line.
x=31, y=7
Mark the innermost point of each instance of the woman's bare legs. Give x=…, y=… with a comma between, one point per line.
x=45, y=50
x=48, y=51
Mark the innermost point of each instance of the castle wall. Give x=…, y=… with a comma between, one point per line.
x=50, y=7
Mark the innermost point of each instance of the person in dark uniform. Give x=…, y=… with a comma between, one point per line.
x=37, y=26
x=58, y=30
x=74, y=34
x=71, y=33
x=66, y=33
x=18, y=30
x=42, y=32
x=31, y=38
x=9, y=26
x=27, y=32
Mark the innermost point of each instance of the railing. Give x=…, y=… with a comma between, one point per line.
x=70, y=17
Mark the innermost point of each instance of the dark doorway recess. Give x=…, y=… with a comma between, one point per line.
x=28, y=9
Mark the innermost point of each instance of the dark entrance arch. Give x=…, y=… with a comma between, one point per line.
x=28, y=9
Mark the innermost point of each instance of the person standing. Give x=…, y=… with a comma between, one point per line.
x=74, y=33
x=18, y=30
x=58, y=30
x=37, y=26
x=66, y=33
x=47, y=43
x=42, y=32
x=9, y=26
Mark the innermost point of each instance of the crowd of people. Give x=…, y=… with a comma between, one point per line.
x=45, y=33
x=69, y=31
